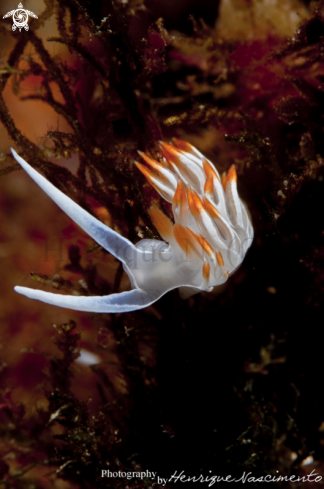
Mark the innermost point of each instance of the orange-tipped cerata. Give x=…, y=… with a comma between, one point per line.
x=153, y=164
x=209, y=184
x=146, y=172
x=186, y=239
x=211, y=209
x=170, y=153
x=219, y=258
x=231, y=175
x=195, y=203
x=180, y=198
x=206, y=270
x=211, y=226
x=183, y=145
x=209, y=170
x=161, y=222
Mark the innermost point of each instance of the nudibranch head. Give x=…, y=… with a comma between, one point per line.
x=206, y=241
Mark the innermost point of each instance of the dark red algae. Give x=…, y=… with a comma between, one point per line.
x=223, y=384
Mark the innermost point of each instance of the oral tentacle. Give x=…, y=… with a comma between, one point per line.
x=122, y=302
x=111, y=241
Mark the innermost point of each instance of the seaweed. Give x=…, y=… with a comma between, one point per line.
x=227, y=382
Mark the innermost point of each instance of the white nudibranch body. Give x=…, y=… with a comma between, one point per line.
x=207, y=242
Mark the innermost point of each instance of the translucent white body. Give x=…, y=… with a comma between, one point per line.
x=206, y=242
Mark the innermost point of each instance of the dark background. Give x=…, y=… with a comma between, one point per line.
x=227, y=382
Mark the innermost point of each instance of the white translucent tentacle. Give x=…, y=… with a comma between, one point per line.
x=122, y=302
x=102, y=234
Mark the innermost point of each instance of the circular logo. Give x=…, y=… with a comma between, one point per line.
x=20, y=19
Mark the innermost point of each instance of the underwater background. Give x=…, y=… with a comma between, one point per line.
x=225, y=382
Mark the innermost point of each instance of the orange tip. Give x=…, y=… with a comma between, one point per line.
x=195, y=203
x=209, y=184
x=202, y=242
x=211, y=209
x=205, y=245
x=146, y=172
x=183, y=145
x=219, y=258
x=224, y=180
x=186, y=239
x=209, y=169
x=161, y=222
x=206, y=270
x=153, y=164
x=148, y=175
x=230, y=177
x=179, y=197
x=169, y=152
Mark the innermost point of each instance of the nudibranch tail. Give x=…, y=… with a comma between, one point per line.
x=206, y=241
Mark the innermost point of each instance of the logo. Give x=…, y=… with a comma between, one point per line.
x=20, y=18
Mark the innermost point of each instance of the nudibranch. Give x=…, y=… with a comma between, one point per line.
x=207, y=241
